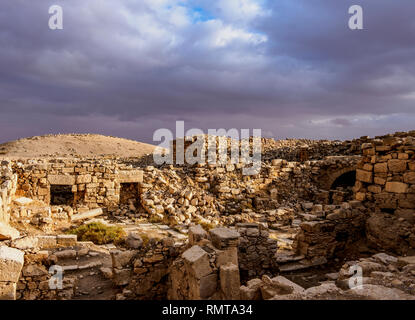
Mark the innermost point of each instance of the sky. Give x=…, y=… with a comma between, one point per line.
x=127, y=68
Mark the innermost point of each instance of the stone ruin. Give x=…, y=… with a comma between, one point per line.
x=315, y=211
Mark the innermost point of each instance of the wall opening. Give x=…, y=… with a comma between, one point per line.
x=346, y=180
x=61, y=195
x=341, y=189
x=129, y=193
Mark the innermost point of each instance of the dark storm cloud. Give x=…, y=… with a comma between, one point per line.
x=292, y=68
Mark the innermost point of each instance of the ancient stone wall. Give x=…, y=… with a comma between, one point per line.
x=256, y=251
x=93, y=183
x=332, y=235
x=214, y=194
x=8, y=185
x=142, y=272
x=386, y=184
x=209, y=269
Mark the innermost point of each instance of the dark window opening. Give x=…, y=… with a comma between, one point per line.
x=342, y=188
x=347, y=179
x=61, y=195
x=387, y=210
x=129, y=193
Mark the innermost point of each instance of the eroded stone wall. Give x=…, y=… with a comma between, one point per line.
x=94, y=183
x=386, y=185
x=8, y=185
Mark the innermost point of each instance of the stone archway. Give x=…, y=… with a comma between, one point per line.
x=345, y=176
x=328, y=177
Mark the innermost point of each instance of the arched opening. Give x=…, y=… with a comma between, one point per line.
x=341, y=189
x=347, y=179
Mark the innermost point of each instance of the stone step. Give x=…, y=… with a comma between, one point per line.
x=294, y=266
x=75, y=267
x=287, y=257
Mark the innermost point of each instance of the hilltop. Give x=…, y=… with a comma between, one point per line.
x=74, y=145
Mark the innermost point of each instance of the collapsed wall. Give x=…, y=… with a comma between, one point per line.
x=386, y=184
x=334, y=235
x=221, y=194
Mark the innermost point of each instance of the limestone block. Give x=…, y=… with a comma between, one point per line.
x=33, y=270
x=25, y=243
x=7, y=291
x=230, y=281
x=396, y=165
x=22, y=201
x=196, y=234
x=197, y=262
x=120, y=258
x=374, y=188
x=130, y=176
x=46, y=242
x=7, y=232
x=396, y=187
x=134, y=240
x=61, y=179
x=208, y=285
x=229, y=255
x=121, y=277
x=409, y=177
x=365, y=176
x=11, y=263
x=81, y=179
x=87, y=215
x=381, y=167
x=224, y=237
x=66, y=240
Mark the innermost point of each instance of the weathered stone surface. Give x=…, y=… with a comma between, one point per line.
x=403, y=261
x=33, y=270
x=396, y=165
x=87, y=215
x=7, y=290
x=228, y=255
x=134, y=241
x=396, y=187
x=208, y=285
x=11, y=263
x=197, y=261
x=22, y=201
x=224, y=237
x=196, y=234
x=121, y=277
x=120, y=258
x=7, y=232
x=364, y=176
x=66, y=240
x=26, y=243
x=376, y=292
x=61, y=179
x=381, y=167
x=47, y=242
x=230, y=281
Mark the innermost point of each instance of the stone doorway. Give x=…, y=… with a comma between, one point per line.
x=129, y=193
x=61, y=195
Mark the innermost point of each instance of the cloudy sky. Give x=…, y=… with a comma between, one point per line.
x=125, y=68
